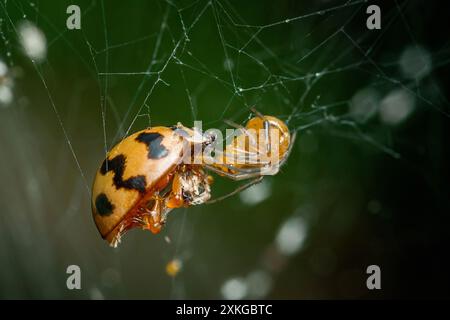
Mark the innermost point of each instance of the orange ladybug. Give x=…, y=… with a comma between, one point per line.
x=151, y=172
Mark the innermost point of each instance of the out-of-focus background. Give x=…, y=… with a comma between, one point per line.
x=367, y=182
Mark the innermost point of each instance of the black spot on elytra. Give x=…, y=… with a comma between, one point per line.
x=153, y=141
x=103, y=205
x=117, y=165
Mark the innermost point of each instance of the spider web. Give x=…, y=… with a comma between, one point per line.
x=319, y=69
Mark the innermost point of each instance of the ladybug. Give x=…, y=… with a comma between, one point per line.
x=151, y=172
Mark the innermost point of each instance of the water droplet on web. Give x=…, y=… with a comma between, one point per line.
x=415, y=62
x=6, y=84
x=228, y=64
x=259, y=284
x=3, y=69
x=6, y=96
x=396, y=106
x=291, y=236
x=33, y=41
x=234, y=289
x=256, y=194
x=363, y=104
x=331, y=118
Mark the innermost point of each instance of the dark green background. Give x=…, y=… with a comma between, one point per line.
x=333, y=174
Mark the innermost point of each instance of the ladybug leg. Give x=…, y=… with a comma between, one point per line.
x=154, y=218
x=175, y=198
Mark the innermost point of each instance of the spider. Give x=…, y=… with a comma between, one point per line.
x=156, y=170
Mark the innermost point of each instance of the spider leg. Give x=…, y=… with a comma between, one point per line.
x=242, y=151
x=235, y=176
x=255, y=169
x=266, y=128
x=235, y=151
x=247, y=158
x=246, y=173
x=288, y=152
x=242, y=128
x=256, y=112
x=267, y=135
x=237, y=190
x=155, y=216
